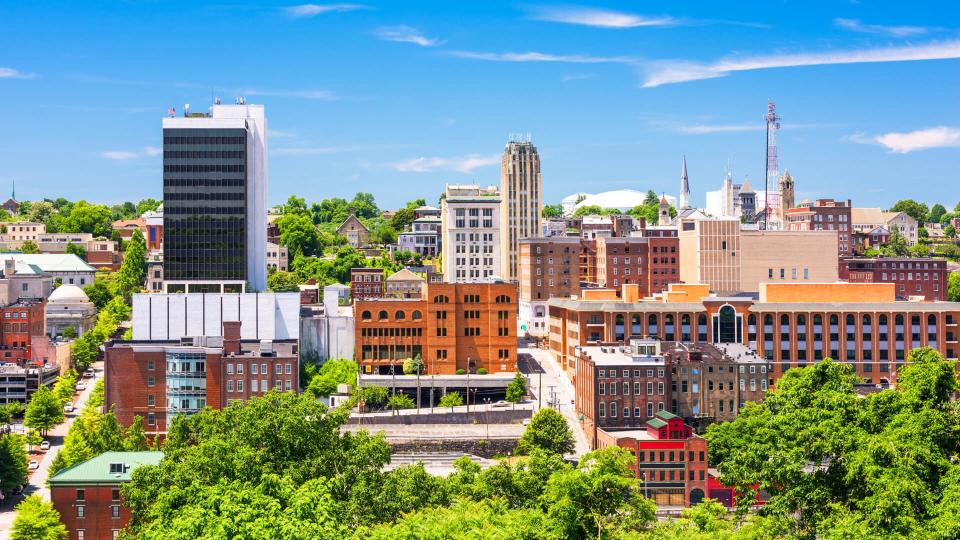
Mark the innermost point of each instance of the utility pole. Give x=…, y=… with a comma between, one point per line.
x=540, y=389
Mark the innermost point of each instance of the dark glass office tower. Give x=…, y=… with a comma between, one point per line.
x=204, y=205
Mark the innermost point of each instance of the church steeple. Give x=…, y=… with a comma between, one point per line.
x=663, y=216
x=684, y=186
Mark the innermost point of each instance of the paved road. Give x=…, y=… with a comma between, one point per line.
x=38, y=479
x=556, y=381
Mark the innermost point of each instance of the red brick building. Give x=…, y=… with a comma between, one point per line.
x=159, y=379
x=366, y=283
x=824, y=215
x=22, y=322
x=926, y=277
x=452, y=326
x=87, y=495
x=669, y=459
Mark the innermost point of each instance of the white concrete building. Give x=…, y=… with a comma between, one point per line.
x=328, y=332
x=18, y=231
x=68, y=267
x=423, y=237
x=277, y=257
x=270, y=316
x=471, y=233
x=69, y=306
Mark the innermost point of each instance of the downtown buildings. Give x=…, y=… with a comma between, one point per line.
x=215, y=199
x=521, y=190
x=473, y=233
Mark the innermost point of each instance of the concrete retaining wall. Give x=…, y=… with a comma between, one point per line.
x=506, y=416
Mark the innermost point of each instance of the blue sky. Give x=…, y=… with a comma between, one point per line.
x=398, y=98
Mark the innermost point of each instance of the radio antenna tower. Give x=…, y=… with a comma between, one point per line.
x=773, y=168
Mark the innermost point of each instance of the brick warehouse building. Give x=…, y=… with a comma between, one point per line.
x=87, y=495
x=622, y=386
x=790, y=324
x=926, y=277
x=159, y=379
x=668, y=457
x=451, y=326
x=23, y=322
x=824, y=215
x=560, y=267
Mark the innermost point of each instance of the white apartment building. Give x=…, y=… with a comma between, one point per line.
x=471, y=233
x=18, y=231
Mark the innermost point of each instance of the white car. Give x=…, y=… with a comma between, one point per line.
x=68, y=408
x=89, y=373
x=45, y=445
x=33, y=466
x=81, y=387
x=501, y=403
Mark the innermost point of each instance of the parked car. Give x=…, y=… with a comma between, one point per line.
x=68, y=408
x=89, y=373
x=45, y=445
x=501, y=403
x=33, y=466
x=81, y=387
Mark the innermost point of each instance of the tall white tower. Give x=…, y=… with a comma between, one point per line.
x=684, y=186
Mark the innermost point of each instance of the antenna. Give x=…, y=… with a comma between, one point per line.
x=772, y=167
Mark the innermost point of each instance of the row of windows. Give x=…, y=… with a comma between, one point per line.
x=198, y=168
x=204, y=182
x=204, y=196
x=204, y=140
x=203, y=154
x=278, y=368
x=398, y=315
x=470, y=299
x=391, y=332
x=203, y=211
x=260, y=386
x=15, y=315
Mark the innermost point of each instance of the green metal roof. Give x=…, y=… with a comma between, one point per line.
x=656, y=422
x=97, y=470
x=665, y=415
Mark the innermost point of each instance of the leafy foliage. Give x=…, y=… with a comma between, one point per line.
x=44, y=411
x=13, y=461
x=331, y=374
x=37, y=520
x=517, y=388
x=30, y=247
x=552, y=210
x=400, y=401
x=914, y=209
x=133, y=271
x=281, y=281
x=548, y=431
x=953, y=287
x=451, y=399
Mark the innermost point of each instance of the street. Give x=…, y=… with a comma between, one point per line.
x=37, y=482
x=544, y=367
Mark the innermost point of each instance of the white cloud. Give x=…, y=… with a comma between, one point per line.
x=276, y=133
x=312, y=10
x=706, y=129
x=600, y=18
x=577, y=77
x=10, y=73
x=406, y=34
x=661, y=73
x=543, y=57
x=310, y=150
x=321, y=95
x=126, y=155
x=921, y=139
x=119, y=155
x=855, y=25
x=463, y=164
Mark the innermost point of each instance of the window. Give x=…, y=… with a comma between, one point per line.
x=239, y=369
x=81, y=495
x=229, y=386
x=229, y=369
x=151, y=400
x=81, y=534
x=151, y=381
x=277, y=369
x=253, y=370
x=115, y=511
x=288, y=369
x=239, y=386
x=151, y=419
x=253, y=384
x=151, y=365
x=81, y=510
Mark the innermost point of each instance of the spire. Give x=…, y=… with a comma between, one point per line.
x=684, y=185
x=13, y=194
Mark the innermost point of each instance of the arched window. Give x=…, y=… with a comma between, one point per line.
x=752, y=328
x=685, y=327
x=817, y=336
x=399, y=315
x=366, y=315
x=382, y=316
x=653, y=328
x=618, y=330
x=441, y=299
x=851, y=335
x=932, y=330
x=668, y=327
x=503, y=299
x=701, y=327
x=636, y=325
x=416, y=315
x=727, y=325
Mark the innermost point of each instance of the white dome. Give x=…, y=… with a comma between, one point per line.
x=572, y=199
x=68, y=294
x=622, y=199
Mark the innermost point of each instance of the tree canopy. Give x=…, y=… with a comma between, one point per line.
x=44, y=411
x=549, y=431
x=37, y=520
x=912, y=208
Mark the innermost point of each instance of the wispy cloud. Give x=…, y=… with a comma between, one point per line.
x=906, y=142
x=577, y=77
x=126, y=155
x=855, y=25
x=276, y=133
x=10, y=73
x=321, y=95
x=311, y=150
x=670, y=72
x=543, y=57
x=463, y=164
x=601, y=18
x=406, y=34
x=312, y=10
x=707, y=129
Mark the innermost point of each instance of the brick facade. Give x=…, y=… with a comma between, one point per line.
x=22, y=323
x=924, y=277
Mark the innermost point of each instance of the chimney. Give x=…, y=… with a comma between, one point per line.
x=231, y=337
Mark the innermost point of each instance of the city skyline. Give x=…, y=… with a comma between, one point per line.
x=369, y=96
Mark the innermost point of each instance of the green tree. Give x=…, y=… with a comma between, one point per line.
x=44, y=411
x=96, y=219
x=133, y=271
x=77, y=249
x=364, y=206
x=413, y=366
x=402, y=219
x=400, y=401
x=593, y=210
x=69, y=332
x=549, y=431
x=936, y=213
x=13, y=461
x=84, y=351
x=552, y=210
x=383, y=233
x=64, y=387
x=489, y=518
x=39, y=212
x=30, y=247
x=331, y=374
x=281, y=281
x=147, y=205
x=451, y=399
x=135, y=439
x=897, y=244
x=953, y=287
x=914, y=209
x=299, y=234
x=8, y=411
x=517, y=388
x=37, y=520
x=950, y=231
x=98, y=292
x=374, y=397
